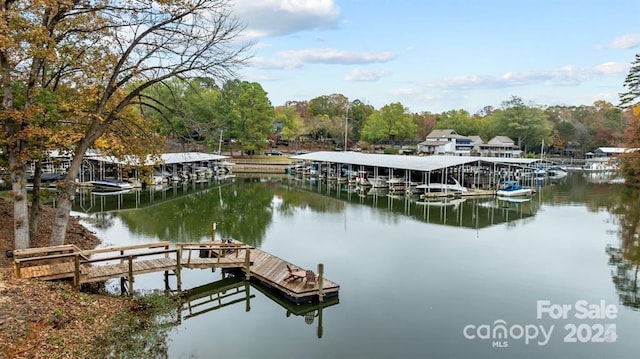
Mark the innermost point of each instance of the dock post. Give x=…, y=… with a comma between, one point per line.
x=76, y=271
x=130, y=275
x=213, y=232
x=247, y=264
x=320, y=282
x=179, y=269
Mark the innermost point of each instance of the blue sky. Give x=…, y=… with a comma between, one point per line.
x=441, y=55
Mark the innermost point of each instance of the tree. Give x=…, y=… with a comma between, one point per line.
x=329, y=112
x=527, y=125
x=629, y=98
x=185, y=109
x=247, y=113
x=292, y=124
x=459, y=120
x=42, y=44
x=146, y=44
x=391, y=122
x=630, y=161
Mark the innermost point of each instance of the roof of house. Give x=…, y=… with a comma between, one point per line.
x=476, y=139
x=448, y=133
x=611, y=149
x=501, y=140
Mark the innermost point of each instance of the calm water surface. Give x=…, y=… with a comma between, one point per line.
x=481, y=278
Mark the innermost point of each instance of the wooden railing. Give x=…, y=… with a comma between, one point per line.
x=67, y=261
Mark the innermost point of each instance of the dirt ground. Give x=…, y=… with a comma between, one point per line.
x=49, y=319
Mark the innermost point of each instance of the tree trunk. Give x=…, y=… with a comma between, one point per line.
x=66, y=197
x=20, y=208
x=35, y=200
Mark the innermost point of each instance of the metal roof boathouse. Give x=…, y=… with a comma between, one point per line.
x=466, y=169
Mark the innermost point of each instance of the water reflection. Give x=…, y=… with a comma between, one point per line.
x=625, y=257
x=216, y=295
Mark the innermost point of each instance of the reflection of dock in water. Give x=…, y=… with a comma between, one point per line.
x=310, y=311
x=213, y=296
x=233, y=290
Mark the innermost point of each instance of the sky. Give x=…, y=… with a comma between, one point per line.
x=441, y=55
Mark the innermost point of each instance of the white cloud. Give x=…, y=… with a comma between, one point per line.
x=612, y=68
x=333, y=56
x=294, y=59
x=627, y=41
x=283, y=17
x=365, y=75
x=563, y=76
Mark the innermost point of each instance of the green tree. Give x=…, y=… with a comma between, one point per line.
x=391, y=122
x=247, y=113
x=527, y=125
x=629, y=98
x=184, y=109
x=459, y=120
x=292, y=124
x=358, y=113
x=329, y=113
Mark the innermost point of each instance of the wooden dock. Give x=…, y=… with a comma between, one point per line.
x=272, y=272
x=87, y=266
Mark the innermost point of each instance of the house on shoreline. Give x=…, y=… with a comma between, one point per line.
x=449, y=143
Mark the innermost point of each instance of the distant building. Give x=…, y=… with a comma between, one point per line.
x=500, y=146
x=477, y=141
x=446, y=142
x=607, y=152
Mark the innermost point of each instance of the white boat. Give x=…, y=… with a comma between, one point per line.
x=379, y=182
x=452, y=186
x=514, y=199
x=557, y=172
x=396, y=181
x=513, y=189
x=113, y=184
x=362, y=179
x=442, y=202
x=599, y=166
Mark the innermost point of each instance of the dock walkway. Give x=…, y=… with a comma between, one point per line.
x=87, y=266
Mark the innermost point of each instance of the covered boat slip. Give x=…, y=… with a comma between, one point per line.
x=98, y=167
x=474, y=172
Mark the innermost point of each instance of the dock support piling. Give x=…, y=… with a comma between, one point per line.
x=247, y=264
x=130, y=275
x=178, y=269
x=320, y=280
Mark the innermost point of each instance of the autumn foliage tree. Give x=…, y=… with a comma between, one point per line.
x=100, y=56
x=630, y=100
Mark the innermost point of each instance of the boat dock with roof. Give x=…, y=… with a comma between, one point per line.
x=404, y=173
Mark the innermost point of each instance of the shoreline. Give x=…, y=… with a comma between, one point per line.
x=41, y=319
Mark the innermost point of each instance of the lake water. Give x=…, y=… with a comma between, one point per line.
x=552, y=277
